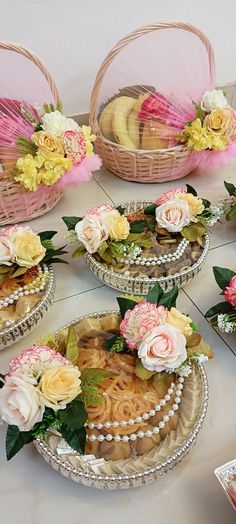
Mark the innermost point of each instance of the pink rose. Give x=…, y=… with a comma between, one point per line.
x=74, y=145
x=230, y=292
x=163, y=348
x=170, y=195
x=34, y=361
x=20, y=402
x=173, y=215
x=141, y=320
x=100, y=210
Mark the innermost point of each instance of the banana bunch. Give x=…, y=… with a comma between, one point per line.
x=120, y=122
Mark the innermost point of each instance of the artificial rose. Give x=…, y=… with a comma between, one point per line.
x=180, y=321
x=28, y=248
x=218, y=122
x=56, y=123
x=20, y=402
x=173, y=215
x=7, y=251
x=163, y=348
x=195, y=204
x=59, y=386
x=74, y=145
x=34, y=361
x=230, y=292
x=140, y=320
x=118, y=225
x=170, y=195
x=91, y=232
x=48, y=143
x=214, y=99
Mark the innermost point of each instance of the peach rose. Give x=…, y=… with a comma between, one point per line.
x=218, y=122
x=20, y=402
x=180, y=321
x=163, y=348
x=47, y=143
x=59, y=386
x=173, y=215
x=28, y=248
x=91, y=232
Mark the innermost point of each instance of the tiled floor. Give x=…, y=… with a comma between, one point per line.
x=190, y=494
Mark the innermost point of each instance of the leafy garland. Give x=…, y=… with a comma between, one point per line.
x=223, y=314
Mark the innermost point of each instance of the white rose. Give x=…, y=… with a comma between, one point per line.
x=173, y=215
x=7, y=251
x=164, y=347
x=91, y=232
x=21, y=404
x=214, y=99
x=56, y=123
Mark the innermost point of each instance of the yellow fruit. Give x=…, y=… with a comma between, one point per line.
x=122, y=107
x=133, y=128
x=105, y=121
x=151, y=136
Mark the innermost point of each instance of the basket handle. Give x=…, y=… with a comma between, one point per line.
x=31, y=56
x=132, y=36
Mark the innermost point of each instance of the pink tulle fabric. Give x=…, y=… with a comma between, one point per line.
x=212, y=160
x=80, y=173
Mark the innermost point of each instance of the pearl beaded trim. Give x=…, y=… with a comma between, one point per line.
x=145, y=416
x=157, y=261
x=34, y=287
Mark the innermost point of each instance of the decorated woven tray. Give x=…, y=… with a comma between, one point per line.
x=226, y=475
x=137, y=243
x=118, y=398
x=27, y=280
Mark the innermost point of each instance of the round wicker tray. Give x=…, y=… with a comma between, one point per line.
x=141, y=286
x=23, y=327
x=135, y=472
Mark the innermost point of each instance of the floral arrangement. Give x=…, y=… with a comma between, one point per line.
x=228, y=205
x=40, y=146
x=106, y=231
x=45, y=389
x=223, y=314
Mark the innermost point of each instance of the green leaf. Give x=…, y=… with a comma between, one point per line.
x=125, y=304
x=206, y=203
x=191, y=190
x=76, y=438
x=194, y=326
x=230, y=188
x=104, y=252
x=121, y=210
x=169, y=299
x=47, y=235
x=71, y=222
x=75, y=414
x=222, y=307
x=48, y=244
x=155, y=294
x=200, y=113
x=79, y=252
x=138, y=226
x=141, y=372
x=19, y=271
x=72, y=350
x=142, y=239
x=231, y=214
x=16, y=440
x=114, y=344
x=109, y=342
x=91, y=376
x=2, y=380
x=150, y=210
x=223, y=276
x=193, y=232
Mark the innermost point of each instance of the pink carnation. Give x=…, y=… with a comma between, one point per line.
x=8, y=231
x=74, y=144
x=230, y=292
x=99, y=210
x=35, y=360
x=170, y=195
x=141, y=320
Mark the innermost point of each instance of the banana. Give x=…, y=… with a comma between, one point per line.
x=122, y=107
x=133, y=128
x=105, y=121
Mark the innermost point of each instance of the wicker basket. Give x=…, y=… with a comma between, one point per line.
x=144, y=166
x=17, y=204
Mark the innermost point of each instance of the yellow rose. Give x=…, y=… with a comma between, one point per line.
x=180, y=321
x=59, y=386
x=218, y=122
x=118, y=225
x=28, y=248
x=47, y=143
x=195, y=205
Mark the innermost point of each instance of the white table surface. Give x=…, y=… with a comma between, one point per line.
x=30, y=491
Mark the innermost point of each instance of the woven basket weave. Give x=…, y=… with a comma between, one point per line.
x=17, y=204
x=145, y=166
